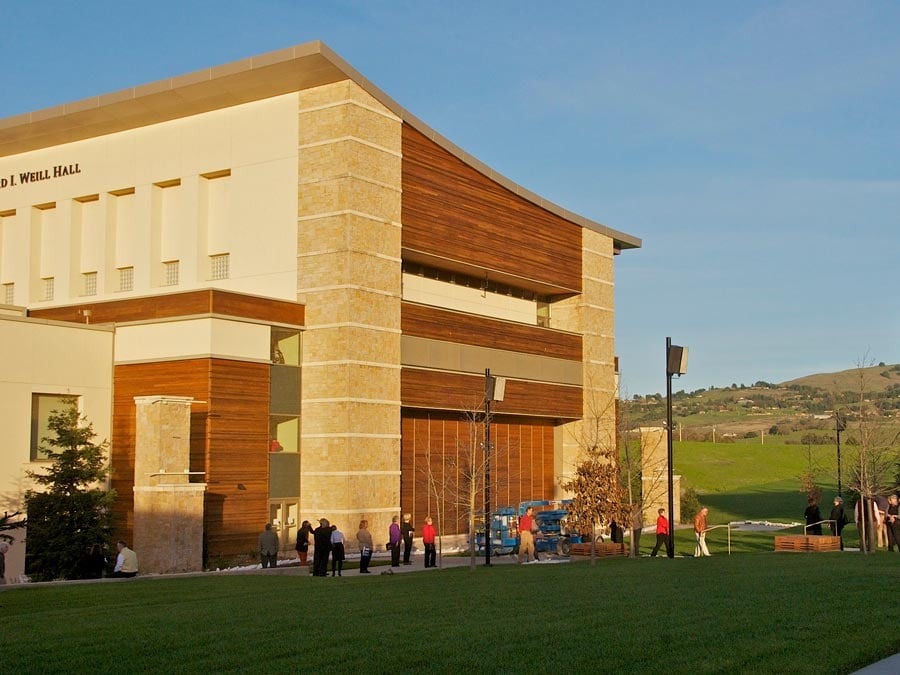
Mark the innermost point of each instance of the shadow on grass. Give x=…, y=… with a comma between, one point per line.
x=780, y=501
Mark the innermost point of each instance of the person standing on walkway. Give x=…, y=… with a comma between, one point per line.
x=879, y=506
x=700, y=527
x=394, y=539
x=337, y=550
x=892, y=522
x=303, y=542
x=322, y=547
x=813, y=517
x=839, y=519
x=406, y=530
x=268, y=547
x=364, y=539
x=662, y=533
x=637, y=527
x=526, y=538
x=428, y=537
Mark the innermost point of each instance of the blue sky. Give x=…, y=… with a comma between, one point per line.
x=754, y=147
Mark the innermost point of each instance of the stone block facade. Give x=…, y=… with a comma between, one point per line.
x=349, y=279
x=591, y=314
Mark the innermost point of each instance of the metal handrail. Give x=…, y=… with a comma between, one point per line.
x=806, y=527
x=716, y=527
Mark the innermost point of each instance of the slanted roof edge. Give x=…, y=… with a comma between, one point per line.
x=246, y=79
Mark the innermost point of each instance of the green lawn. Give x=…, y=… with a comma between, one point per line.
x=746, y=613
x=740, y=481
x=753, y=611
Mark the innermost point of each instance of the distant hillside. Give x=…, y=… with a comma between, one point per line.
x=796, y=408
x=875, y=379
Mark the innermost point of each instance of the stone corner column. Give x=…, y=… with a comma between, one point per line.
x=168, y=508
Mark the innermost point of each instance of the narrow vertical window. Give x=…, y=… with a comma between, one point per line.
x=126, y=278
x=42, y=406
x=543, y=313
x=219, y=266
x=89, y=283
x=171, y=268
x=9, y=294
x=48, y=287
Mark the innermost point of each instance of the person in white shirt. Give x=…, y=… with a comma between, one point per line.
x=126, y=561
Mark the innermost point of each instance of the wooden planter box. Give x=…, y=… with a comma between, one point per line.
x=603, y=550
x=807, y=543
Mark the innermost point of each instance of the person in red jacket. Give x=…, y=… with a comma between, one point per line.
x=428, y=535
x=662, y=533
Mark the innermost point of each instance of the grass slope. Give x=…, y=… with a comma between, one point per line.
x=875, y=378
x=749, y=480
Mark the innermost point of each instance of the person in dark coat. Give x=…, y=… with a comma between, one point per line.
x=892, y=522
x=302, y=546
x=406, y=531
x=394, y=539
x=813, y=517
x=616, y=534
x=839, y=518
x=95, y=564
x=322, y=543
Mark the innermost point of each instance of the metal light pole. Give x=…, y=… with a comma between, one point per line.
x=494, y=390
x=676, y=364
x=488, y=395
x=839, y=425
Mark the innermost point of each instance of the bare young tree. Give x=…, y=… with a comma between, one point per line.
x=809, y=479
x=437, y=485
x=457, y=483
x=874, y=457
x=598, y=494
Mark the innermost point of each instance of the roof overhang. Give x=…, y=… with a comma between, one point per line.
x=311, y=64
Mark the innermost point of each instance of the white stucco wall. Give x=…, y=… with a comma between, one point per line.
x=192, y=338
x=46, y=357
x=464, y=299
x=250, y=214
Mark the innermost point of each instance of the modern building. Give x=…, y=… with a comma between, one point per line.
x=324, y=278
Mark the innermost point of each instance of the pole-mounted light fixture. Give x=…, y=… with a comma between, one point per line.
x=676, y=364
x=494, y=389
x=840, y=423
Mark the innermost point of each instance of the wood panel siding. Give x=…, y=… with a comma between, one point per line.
x=152, y=379
x=238, y=457
x=171, y=305
x=440, y=390
x=443, y=324
x=452, y=211
x=436, y=450
x=229, y=442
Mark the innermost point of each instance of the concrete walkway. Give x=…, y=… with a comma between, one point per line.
x=381, y=565
x=888, y=666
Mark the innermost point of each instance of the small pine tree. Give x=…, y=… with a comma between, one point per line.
x=72, y=514
x=8, y=522
x=690, y=504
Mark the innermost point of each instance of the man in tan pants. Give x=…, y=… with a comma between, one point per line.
x=526, y=538
x=700, y=527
